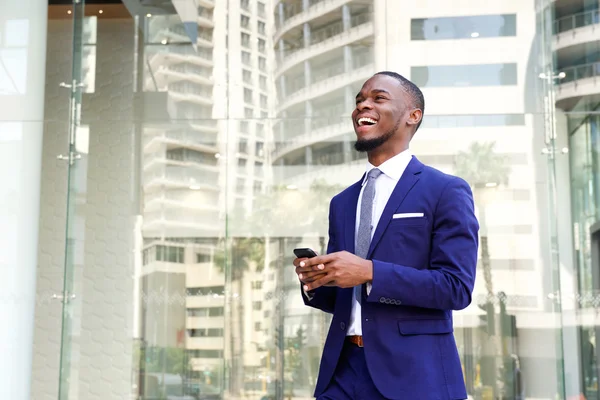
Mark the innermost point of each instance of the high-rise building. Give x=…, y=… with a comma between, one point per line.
x=186, y=147
x=575, y=48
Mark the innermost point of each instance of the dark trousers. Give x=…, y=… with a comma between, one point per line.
x=351, y=380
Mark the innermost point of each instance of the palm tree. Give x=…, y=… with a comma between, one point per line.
x=484, y=170
x=245, y=253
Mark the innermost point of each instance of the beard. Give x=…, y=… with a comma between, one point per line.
x=367, y=145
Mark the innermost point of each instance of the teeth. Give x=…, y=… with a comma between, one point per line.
x=363, y=121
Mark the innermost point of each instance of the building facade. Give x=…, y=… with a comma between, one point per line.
x=163, y=158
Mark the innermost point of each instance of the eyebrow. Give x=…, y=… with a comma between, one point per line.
x=375, y=91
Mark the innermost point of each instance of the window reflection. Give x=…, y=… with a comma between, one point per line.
x=470, y=27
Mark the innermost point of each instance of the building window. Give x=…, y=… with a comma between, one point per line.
x=205, y=312
x=248, y=112
x=245, y=21
x=247, y=95
x=262, y=28
x=258, y=169
x=260, y=146
x=465, y=75
x=240, y=184
x=262, y=45
x=245, y=5
x=243, y=146
x=257, y=285
x=470, y=27
x=245, y=40
x=257, y=187
x=206, y=291
x=202, y=258
x=206, y=332
x=262, y=64
x=264, y=114
x=257, y=305
x=263, y=101
x=257, y=326
x=172, y=254
x=260, y=130
x=247, y=76
x=242, y=162
x=260, y=8
x=262, y=81
x=205, y=353
x=244, y=127
x=480, y=120
x=246, y=58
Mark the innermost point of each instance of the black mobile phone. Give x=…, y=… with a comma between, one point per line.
x=305, y=253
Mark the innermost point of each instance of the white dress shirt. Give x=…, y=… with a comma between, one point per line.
x=384, y=186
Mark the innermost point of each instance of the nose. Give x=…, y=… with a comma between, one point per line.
x=362, y=105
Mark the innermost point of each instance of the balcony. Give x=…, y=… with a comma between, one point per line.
x=191, y=94
x=304, y=175
x=327, y=39
x=207, y=3
x=576, y=29
x=200, y=141
x=181, y=177
x=183, y=199
x=205, y=17
x=333, y=78
x=198, y=221
x=581, y=80
x=326, y=130
x=294, y=15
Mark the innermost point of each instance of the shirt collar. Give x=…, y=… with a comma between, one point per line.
x=393, y=168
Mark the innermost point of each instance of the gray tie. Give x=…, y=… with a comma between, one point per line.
x=365, y=225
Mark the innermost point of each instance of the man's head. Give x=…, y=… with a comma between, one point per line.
x=389, y=110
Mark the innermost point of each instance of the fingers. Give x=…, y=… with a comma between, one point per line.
x=311, y=276
x=297, y=261
x=321, y=281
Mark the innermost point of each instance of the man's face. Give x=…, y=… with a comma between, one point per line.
x=380, y=111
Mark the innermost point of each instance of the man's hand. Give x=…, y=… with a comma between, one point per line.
x=341, y=269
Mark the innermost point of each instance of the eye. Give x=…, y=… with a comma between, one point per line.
x=379, y=97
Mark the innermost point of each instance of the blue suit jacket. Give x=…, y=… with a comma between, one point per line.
x=423, y=268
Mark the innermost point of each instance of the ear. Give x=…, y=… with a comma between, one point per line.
x=414, y=117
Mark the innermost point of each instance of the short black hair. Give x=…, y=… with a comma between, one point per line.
x=418, y=100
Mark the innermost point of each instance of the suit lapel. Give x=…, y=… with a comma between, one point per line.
x=350, y=215
x=408, y=179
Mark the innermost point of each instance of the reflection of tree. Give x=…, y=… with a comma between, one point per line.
x=280, y=213
x=484, y=170
x=295, y=354
x=243, y=253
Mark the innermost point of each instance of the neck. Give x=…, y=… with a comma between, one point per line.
x=380, y=155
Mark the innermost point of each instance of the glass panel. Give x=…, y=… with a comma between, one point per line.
x=471, y=27
x=82, y=75
x=198, y=178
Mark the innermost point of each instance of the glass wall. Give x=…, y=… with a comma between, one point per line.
x=199, y=143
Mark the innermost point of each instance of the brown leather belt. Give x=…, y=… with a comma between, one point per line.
x=355, y=339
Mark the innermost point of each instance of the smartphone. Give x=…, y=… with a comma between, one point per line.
x=305, y=253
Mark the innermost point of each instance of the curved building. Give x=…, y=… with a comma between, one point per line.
x=576, y=49
x=323, y=51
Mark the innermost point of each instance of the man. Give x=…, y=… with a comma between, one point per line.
x=401, y=256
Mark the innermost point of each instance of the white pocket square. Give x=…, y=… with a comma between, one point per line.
x=408, y=215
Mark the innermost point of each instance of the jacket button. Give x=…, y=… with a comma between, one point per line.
x=342, y=325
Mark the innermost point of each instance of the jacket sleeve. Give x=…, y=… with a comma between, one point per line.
x=447, y=282
x=323, y=298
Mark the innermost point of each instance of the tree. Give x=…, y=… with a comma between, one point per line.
x=281, y=212
x=484, y=170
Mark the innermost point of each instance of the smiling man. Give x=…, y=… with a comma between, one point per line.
x=401, y=257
